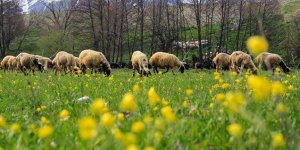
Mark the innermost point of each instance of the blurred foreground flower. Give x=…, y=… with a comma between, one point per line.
x=128, y=103
x=2, y=122
x=153, y=97
x=15, y=128
x=64, y=115
x=235, y=130
x=261, y=87
x=98, y=107
x=278, y=140
x=168, y=114
x=87, y=128
x=257, y=45
x=45, y=131
x=137, y=127
x=108, y=120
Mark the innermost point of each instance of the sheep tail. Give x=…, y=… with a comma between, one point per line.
x=284, y=67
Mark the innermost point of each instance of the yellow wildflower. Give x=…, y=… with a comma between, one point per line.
x=45, y=131
x=99, y=107
x=128, y=103
x=291, y=88
x=164, y=102
x=281, y=108
x=87, y=128
x=257, y=45
x=278, y=140
x=185, y=104
x=220, y=97
x=158, y=136
x=149, y=148
x=188, y=92
x=38, y=109
x=44, y=120
x=261, y=87
x=234, y=101
x=235, y=130
x=277, y=89
x=2, y=122
x=129, y=139
x=108, y=120
x=120, y=116
x=168, y=114
x=132, y=147
x=138, y=127
x=148, y=119
x=136, y=88
x=225, y=85
x=153, y=97
x=15, y=128
x=64, y=115
x=117, y=133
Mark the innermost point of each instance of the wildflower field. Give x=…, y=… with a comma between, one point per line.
x=195, y=110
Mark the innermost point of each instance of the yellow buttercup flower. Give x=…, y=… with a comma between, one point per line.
x=153, y=97
x=220, y=97
x=138, y=127
x=278, y=140
x=128, y=103
x=168, y=114
x=132, y=147
x=148, y=119
x=2, y=122
x=158, y=136
x=261, y=87
x=225, y=85
x=45, y=131
x=99, y=107
x=15, y=128
x=129, y=139
x=277, y=89
x=38, y=109
x=185, y=104
x=188, y=92
x=108, y=120
x=149, y=148
x=235, y=130
x=234, y=101
x=120, y=116
x=64, y=115
x=136, y=88
x=291, y=88
x=164, y=102
x=44, y=120
x=257, y=45
x=87, y=128
x=43, y=107
x=117, y=133
x=281, y=108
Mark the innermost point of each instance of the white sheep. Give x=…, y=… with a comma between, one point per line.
x=270, y=61
x=240, y=60
x=165, y=61
x=4, y=63
x=140, y=63
x=221, y=61
x=28, y=61
x=13, y=63
x=94, y=60
x=45, y=61
x=65, y=61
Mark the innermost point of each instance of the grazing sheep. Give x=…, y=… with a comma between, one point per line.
x=65, y=61
x=270, y=61
x=165, y=60
x=221, y=61
x=12, y=64
x=140, y=63
x=45, y=61
x=92, y=59
x=240, y=60
x=4, y=63
x=28, y=61
x=77, y=61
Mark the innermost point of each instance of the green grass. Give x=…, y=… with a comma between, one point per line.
x=202, y=125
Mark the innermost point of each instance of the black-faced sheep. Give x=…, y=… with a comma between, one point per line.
x=270, y=61
x=65, y=61
x=28, y=61
x=240, y=60
x=92, y=59
x=4, y=63
x=140, y=63
x=165, y=61
x=221, y=61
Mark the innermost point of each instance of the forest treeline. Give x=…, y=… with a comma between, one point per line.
x=119, y=27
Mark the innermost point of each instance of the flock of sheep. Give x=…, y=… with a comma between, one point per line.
x=97, y=62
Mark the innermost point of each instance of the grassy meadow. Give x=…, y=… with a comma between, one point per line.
x=199, y=109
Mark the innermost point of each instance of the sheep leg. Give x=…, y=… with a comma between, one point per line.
x=166, y=70
x=242, y=68
x=133, y=74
